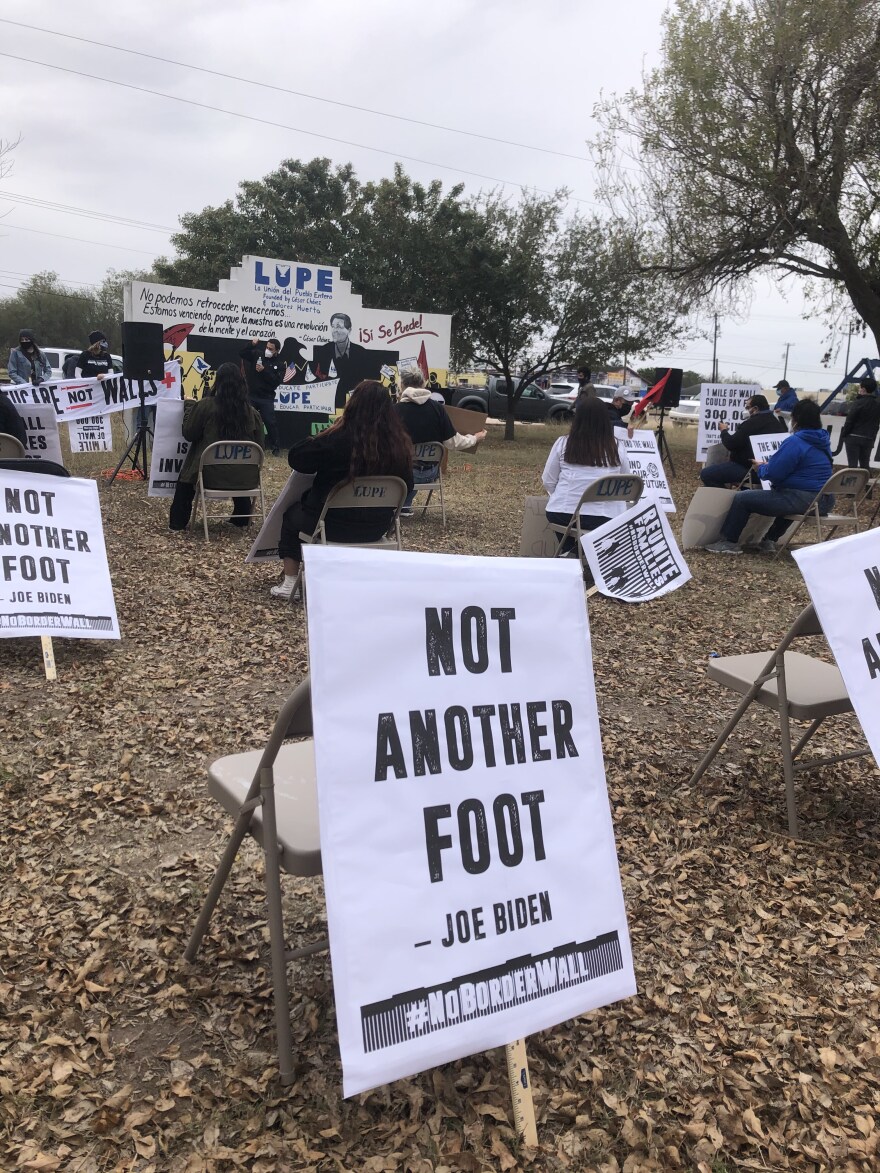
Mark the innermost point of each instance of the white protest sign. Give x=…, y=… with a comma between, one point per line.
x=265, y=547
x=169, y=448
x=833, y=425
x=763, y=448
x=634, y=557
x=318, y=396
x=644, y=461
x=843, y=578
x=72, y=398
x=54, y=577
x=721, y=401
x=41, y=424
x=473, y=893
x=92, y=433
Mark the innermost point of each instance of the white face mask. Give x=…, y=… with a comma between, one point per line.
x=270, y=353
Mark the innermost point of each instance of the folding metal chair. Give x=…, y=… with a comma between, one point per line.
x=273, y=796
x=848, y=482
x=431, y=454
x=11, y=448
x=225, y=455
x=360, y=493
x=798, y=687
x=620, y=487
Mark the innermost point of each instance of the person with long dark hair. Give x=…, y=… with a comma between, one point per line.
x=27, y=363
x=368, y=439
x=588, y=452
x=224, y=414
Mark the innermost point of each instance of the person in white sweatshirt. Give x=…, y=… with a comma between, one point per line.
x=426, y=421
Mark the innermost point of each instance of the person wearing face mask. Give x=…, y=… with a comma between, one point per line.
x=27, y=363
x=264, y=370
x=95, y=361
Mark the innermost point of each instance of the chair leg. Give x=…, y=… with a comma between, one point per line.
x=427, y=502
x=442, y=504
x=787, y=759
x=818, y=525
x=786, y=538
x=205, y=517
x=724, y=734
x=806, y=737
x=276, y=929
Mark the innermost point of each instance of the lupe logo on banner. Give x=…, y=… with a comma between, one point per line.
x=473, y=894
x=315, y=280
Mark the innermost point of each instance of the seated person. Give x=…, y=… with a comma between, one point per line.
x=368, y=440
x=426, y=420
x=11, y=423
x=760, y=422
x=588, y=452
x=797, y=470
x=224, y=414
x=620, y=408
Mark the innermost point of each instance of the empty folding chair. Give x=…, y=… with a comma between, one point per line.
x=431, y=456
x=11, y=448
x=622, y=487
x=226, y=456
x=273, y=796
x=848, y=482
x=798, y=687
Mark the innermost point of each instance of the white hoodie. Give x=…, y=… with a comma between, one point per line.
x=422, y=395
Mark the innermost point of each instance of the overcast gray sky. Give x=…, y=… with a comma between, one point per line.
x=528, y=71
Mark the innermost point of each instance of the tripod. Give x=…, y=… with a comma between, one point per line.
x=136, y=452
x=663, y=444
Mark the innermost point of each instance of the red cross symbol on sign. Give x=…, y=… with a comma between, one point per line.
x=168, y=380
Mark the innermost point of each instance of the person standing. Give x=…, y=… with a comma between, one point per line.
x=760, y=421
x=95, y=361
x=27, y=363
x=264, y=370
x=861, y=426
x=787, y=398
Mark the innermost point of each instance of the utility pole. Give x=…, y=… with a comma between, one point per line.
x=788, y=346
x=625, y=345
x=715, y=351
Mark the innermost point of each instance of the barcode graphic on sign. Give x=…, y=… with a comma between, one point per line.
x=61, y=622
x=477, y=995
x=636, y=559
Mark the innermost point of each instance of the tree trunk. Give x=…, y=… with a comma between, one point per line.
x=509, y=433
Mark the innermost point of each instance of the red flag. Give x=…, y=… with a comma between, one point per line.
x=175, y=335
x=652, y=396
x=423, y=361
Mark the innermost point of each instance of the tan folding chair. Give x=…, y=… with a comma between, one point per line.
x=431, y=454
x=360, y=493
x=620, y=487
x=273, y=796
x=848, y=482
x=798, y=687
x=11, y=448
x=225, y=455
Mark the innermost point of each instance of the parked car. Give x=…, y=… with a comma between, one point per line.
x=688, y=410
x=570, y=391
x=57, y=354
x=533, y=404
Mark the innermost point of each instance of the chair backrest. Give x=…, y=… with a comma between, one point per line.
x=49, y=468
x=11, y=448
x=226, y=455
x=367, y=493
x=620, y=487
x=429, y=453
x=847, y=482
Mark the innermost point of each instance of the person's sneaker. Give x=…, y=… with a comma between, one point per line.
x=767, y=546
x=407, y=511
x=281, y=590
x=723, y=547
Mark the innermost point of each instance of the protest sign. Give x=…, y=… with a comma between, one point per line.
x=41, y=424
x=473, y=893
x=721, y=402
x=54, y=578
x=537, y=539
x=169, y=448
x=265, y=547
x=644, y=461
x=634, y=557
x=763, y=448
x=72, y=398
x=317, y=396
x=843, y=578
x=92, y=433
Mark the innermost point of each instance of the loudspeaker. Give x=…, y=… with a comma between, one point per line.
x=672, y=391
x=143, y=351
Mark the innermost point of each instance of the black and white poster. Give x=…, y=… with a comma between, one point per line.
x=634, y=556
x=763, y=447
x=169, y=448
x=721, y=403
x=644, y=461
x=91, y=433
x=54, y=577
x=42, y=441
x=72, y=399
x=473, y=892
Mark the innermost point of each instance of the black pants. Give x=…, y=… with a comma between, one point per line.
x=341, y=525
x=266, y=408
x=588, y=521
x=182, y=503
x=858, y=451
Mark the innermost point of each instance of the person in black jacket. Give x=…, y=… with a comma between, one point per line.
x=11, y=422
x=760, y=422
x=264, y=370
x=368, y=439
x=95, y=361
x=862, y=423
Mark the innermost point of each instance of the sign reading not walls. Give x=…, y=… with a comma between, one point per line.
x=473, y=892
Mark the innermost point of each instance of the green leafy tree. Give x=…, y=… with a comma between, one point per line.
x=757, y=147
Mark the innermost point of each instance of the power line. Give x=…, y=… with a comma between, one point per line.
x=78, y=239
x=28, y=276
x=283, y=125
x=47, y=292
x=294, y=93
x=72, y=210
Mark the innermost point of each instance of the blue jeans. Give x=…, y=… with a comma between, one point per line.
x=769, y=503
x=422, y=476
x=718, y=476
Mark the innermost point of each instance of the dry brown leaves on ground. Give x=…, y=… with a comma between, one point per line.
x=753, y=1041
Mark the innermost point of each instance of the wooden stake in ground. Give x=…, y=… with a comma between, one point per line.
x=521, y=1091
x=48, y=657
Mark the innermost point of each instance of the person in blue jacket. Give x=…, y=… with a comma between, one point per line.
x=787, y=398
x=797, y=470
